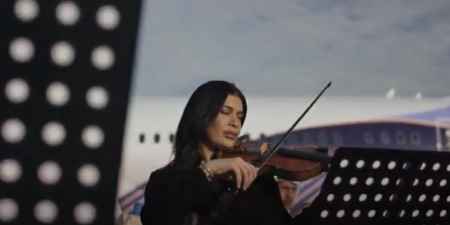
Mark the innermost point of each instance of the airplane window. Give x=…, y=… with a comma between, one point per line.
x=141, y=138
x=322, y=138
x=171, y=138
x=156, y=138
x=307, y=138
x=384, y=137
x=338, y=139
x=368, y=138
x=400, y=137
x=415, y=138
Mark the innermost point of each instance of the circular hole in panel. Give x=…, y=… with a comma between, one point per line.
x=391, y=165
x=360, y=164
x=13, y=131
x=347, y=197
x=362, y=197
x=406, y=166
x=443, y=182
x=21, y=50
x=103, y=57
x=58, y=94
x=443, y=213
x=356, y=213
x=330, y=197
x=324, y=214
x=393, y=198
x=415, y=182
x=401, y=213
x=337, y=180
x=429, y=213
x=415, y=213
x=88, y=175
x=343, y=163
x=408, y=198
x=8, y=209
x=429, y=182
x=92, y=136
x=385, y=181
x=422, y=198
x=10, y=170
x=436, y=166
x=97, y=97
x=67, y=13
x=369, y=181
x=371, y=213
x=45, y=211
x=108, y=17
x=423, y=166
x=26, y=10
x=53, y=133
x=85, y=213
x=378, y=197
x=376, y=164
x=436, y=198
x=17, y=90
x=49, y=173
x=353, y=180
x=62, y=53
x=340, y=213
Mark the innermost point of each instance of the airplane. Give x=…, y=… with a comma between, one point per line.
x=334, y=121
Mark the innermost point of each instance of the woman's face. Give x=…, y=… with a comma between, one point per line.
x=225, y=129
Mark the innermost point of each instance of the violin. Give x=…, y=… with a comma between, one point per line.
x=295, y=163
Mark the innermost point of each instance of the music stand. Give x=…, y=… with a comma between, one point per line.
x=64, y=88
x=366, y=186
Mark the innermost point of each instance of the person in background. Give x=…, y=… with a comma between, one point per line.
x=288, y=191
x=188, y=190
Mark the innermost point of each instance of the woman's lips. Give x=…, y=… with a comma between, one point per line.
x=231, y=135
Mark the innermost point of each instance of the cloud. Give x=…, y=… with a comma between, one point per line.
x=293, y=47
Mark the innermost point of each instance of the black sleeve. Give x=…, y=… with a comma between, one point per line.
x=171, y=195
x=303, y=218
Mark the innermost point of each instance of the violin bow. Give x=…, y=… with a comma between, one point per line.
x=268, y=154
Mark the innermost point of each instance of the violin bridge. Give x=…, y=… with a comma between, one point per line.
x=263, y=148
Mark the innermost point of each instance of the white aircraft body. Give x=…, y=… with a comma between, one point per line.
x=404, y=123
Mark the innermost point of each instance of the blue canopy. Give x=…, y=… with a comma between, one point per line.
x=430, y=115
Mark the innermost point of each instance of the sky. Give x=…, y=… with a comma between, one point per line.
x=294, y=47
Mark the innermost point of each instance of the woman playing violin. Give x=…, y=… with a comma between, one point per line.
x=212, y=119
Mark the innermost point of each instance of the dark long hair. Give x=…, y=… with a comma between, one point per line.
x=202, y=108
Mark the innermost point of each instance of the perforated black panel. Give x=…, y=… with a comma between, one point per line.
x=65, y=80
x=379, y=186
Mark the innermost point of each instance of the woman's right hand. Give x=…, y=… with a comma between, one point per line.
x=245, y=173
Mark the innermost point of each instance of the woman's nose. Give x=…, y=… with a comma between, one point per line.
x=234, y=122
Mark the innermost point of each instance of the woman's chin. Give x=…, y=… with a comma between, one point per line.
x=228, y=144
